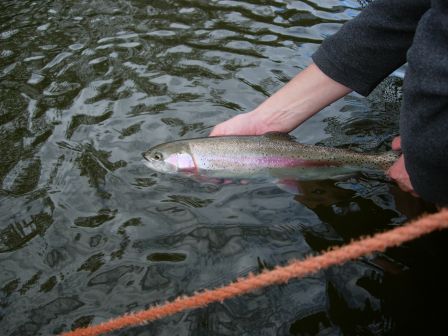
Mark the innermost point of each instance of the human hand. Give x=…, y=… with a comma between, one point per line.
x=398, y=171
x=242, y=124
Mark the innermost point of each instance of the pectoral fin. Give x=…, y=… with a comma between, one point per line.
x=291, y=186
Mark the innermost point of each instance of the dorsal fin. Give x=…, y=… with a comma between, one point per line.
x=279, y=136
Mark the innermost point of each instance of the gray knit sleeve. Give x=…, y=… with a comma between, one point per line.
x=371, y=46
x=424, y=113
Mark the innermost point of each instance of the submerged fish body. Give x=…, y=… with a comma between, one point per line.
x=272, y=154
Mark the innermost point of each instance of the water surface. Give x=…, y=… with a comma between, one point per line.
x=87, y=232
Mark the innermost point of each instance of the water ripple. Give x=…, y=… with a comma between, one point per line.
x=87, y=86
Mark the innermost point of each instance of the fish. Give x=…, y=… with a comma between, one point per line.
x=269, y=155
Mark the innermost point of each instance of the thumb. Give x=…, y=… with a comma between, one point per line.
x=396, y=143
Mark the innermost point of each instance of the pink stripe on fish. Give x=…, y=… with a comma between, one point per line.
x=254, y=162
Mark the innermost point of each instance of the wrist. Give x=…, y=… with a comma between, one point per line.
x=284, y=119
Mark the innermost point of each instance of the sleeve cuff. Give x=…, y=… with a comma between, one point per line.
x=335, y=71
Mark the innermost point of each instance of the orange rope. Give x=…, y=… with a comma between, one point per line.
x=295, y=269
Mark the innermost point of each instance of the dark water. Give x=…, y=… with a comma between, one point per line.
x=87, y=232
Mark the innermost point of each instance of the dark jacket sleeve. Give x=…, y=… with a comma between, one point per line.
x=424, y=113
x=371, y=46
x=368, y=48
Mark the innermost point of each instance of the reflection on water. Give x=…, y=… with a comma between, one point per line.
x=87, y=232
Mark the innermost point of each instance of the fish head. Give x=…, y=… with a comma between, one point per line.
x=172, y=157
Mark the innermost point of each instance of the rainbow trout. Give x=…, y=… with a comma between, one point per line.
x=271, y=154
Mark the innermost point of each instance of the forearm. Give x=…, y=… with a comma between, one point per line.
x=302, y=97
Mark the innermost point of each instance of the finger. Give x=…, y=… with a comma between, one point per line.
x=394, y=171
x=396, y=143
x=413, y=193
x=399, y=174
x=217, y=131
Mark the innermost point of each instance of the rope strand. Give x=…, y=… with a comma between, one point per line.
x=295, y=269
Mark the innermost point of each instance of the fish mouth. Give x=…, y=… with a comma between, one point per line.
x=144, y=156
x=147, y=163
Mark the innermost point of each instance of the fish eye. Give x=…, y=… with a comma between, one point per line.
x=157, y=156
